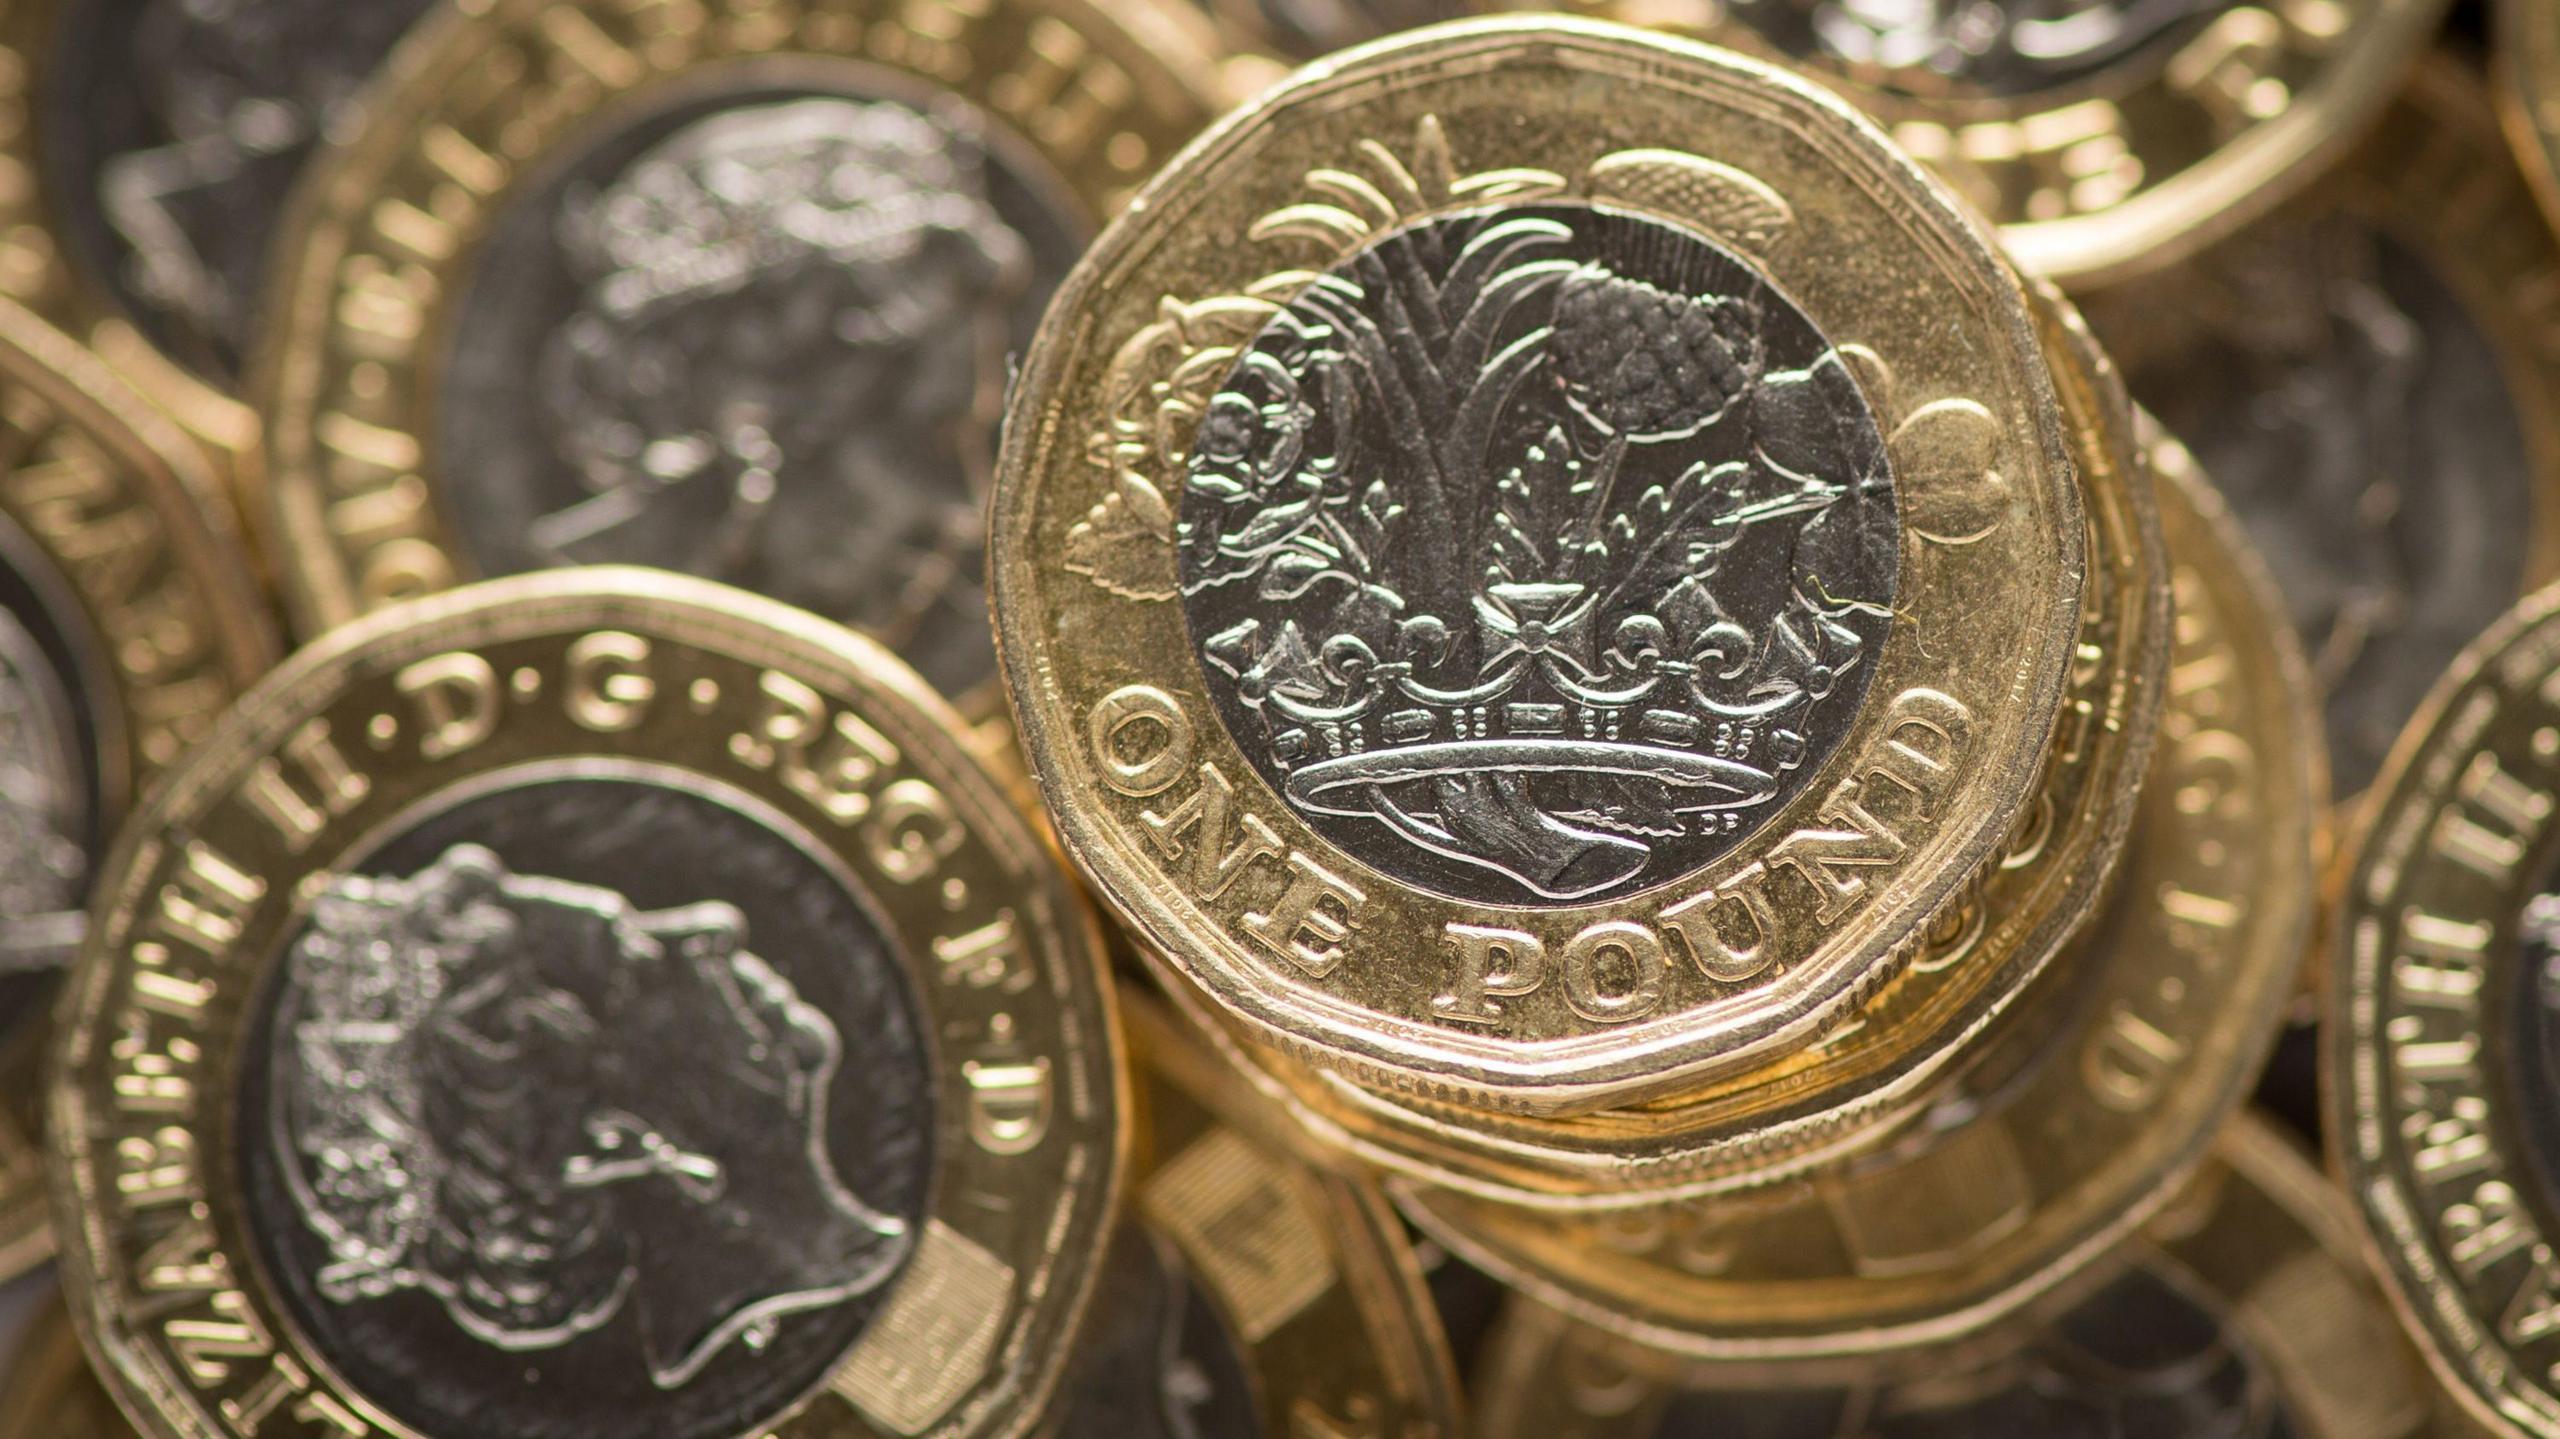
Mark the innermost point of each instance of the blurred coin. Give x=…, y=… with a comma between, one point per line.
x=588, y=1004
x=126, y=624
x=2107, y=137
x=2087, y=1106
x=2243, y=1312
x=2369, y=376
x=2526, y=56
x=51, y=1392
x=1313, y=29
x=1247, y=1293
x=1830, y=1097
x=719, y=289
x=1516, y=608
x=153, y=144
x=2442, y=1060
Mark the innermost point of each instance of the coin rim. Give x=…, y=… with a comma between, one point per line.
x=1572, y=1073
x=1963, y=1303
x=168, y=473
x=602, y=595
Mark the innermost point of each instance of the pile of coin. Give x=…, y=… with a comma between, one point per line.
x=776, y=719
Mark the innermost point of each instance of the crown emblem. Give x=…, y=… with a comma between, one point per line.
x=1519, y=540
x=1530, y=547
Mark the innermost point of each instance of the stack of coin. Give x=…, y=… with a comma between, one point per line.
x=974, y=754
x=1611, y=715
x=2242, y=1309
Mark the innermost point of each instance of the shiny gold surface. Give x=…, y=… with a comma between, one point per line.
x=2272, y=1326
x=484, y=98
x=2166, y=147
x=1311, y=1269
x=131, y=532
x=1351, y=961
x=600, y=672
x=2088, y=1105
x=2434, y=1030
x=1834, y=1096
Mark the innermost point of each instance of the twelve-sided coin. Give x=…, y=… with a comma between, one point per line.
x=1507, y=600
x=725, y=289
x=127, y=623
x=588, y=1003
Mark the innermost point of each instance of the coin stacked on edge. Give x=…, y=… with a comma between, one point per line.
x=1677, y=767
x=1604, y=705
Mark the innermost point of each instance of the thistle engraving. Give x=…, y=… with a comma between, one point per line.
x=1533, y=548
x=524, y=1097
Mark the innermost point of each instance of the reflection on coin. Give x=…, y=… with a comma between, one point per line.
x=2107, y=137
x=1497, y=628
x=126, y=625
x=157, y=141
x=595, y=1003
x=1811, y=1105
x=1249, y=1296
x=2244, y=1312
x=2367, y=378
x=698, y=291
x=2443, y=1052
x=2085, y=1105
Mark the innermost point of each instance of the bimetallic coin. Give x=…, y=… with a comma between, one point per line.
x=2089, y=1103
x=1528, y=621
x=2108, y=138
x=594, y=1003
x=1834, y=1095
x=1249, y=1295
x=2244, y=1312
x=154, y=143
x=51, y=1393
x=2367, y=376
x=126, y=624
x=2442, y=1057
x=722, y=290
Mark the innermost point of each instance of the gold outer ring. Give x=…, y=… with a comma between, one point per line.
x=134, y=529
x=1310, y=1269
x=1825, y=1101
x=1297, y=940
x=387, y=229
x=2087, y=1106
x=2259, y=1239
x=2171, y=148
x=2427, y=1049
x=828, y=735
x=2435, y=177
